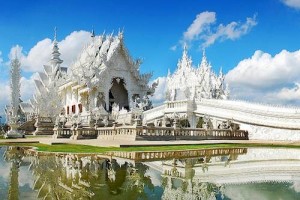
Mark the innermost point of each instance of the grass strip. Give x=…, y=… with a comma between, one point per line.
x=74, y=148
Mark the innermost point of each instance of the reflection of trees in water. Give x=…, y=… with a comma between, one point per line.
x=59, y=177
x=136, y=181
x=14, y=155
x=88, y=177
x=130, y=180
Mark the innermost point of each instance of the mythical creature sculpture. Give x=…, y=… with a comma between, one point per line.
x=143, y=104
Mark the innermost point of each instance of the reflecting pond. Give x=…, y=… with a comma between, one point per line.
x=230, y=173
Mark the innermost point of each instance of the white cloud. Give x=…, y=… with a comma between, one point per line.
x=267, y=78
x=199, y=25
x=288, y=94
x=40, y=54
x=292, y=3
x=5, y=96
x=231, y=31
x=159, y=95
x=27, y=87
x=72, y=45
x=205, y=30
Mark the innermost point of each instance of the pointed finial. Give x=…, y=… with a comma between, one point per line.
x=16, y=54
x=120, y=34
x=55, y=30
x=93, y=32
x=203, y=52
x=185, y=47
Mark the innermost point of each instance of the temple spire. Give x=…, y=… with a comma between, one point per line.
x=55, y=59
x=221, y=72
x=185, y=49
x=169, y=73
x=93, y=33
x=204, y=62
x=15, y=76
x=55, y=30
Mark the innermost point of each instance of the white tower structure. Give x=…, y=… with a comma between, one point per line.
x=47, y=85
x=15, y=76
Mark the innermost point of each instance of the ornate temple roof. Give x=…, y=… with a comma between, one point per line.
x=190, y=82
x=96, y=57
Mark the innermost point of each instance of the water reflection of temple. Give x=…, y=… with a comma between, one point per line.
x=212, y=177
x=194, y=174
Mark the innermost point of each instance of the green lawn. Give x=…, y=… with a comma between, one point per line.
x=71, y=148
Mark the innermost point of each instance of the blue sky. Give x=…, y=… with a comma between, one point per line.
x=155, y=30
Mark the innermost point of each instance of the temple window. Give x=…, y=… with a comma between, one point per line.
x=68, y=110
x=80, y=108
x=73, y=109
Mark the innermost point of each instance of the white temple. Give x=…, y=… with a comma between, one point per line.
x=103, y=95
x=103, y=75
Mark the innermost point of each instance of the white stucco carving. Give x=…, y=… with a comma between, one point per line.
x=188, y=82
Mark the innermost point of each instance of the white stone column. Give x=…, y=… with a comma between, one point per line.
x=106, y=96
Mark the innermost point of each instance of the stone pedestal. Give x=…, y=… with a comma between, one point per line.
x=44, y=126
x=14, y=132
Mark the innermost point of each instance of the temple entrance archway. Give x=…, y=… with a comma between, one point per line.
x=118, y=94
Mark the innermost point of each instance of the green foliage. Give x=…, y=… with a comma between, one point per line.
x=200, y=122
x=184, y=123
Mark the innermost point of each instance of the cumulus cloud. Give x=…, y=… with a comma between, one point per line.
x=199, y=25
x=28, y=87
x=292, y=3
x=40, y=54
x=159, y=95
x=231, y=31
x=263, y=77
x=205, y=30
x=287, y=95
x=72, y=45
x=5, y=95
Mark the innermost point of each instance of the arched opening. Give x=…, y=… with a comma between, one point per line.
x=118, y=94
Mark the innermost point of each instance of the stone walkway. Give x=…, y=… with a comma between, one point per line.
x=123, y=143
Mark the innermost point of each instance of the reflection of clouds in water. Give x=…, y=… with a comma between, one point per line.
x=4, y=170
x=296, y=186
x=154, y=175
x=4, y=166
x=243, y=193
x=25, y=177
x=262, y=191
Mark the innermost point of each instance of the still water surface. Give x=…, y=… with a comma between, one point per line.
x=232, y=173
